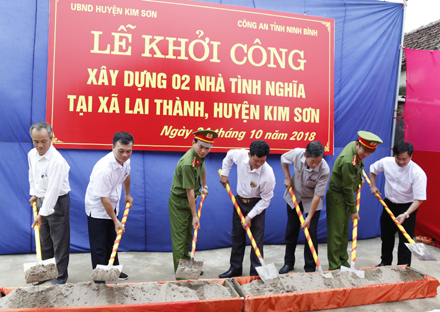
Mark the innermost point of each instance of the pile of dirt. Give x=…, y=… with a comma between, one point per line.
x=313, y=281
x=91, y=294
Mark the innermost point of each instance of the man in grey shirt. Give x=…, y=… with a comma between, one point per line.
x=309, y=182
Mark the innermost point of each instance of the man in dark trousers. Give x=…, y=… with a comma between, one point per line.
x=102, y=199
x=255, y=185
x=49, y=188
x=309, y=182
x=405, y=190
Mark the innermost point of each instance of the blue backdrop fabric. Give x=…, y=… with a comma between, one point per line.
x=367, y=39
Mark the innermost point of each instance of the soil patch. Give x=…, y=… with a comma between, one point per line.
x=91, y=294
x=313, y=281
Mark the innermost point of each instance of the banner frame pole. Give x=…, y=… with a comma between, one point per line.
x=399, y=70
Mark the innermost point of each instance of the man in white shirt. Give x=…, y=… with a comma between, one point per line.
x=255, y=185
x=102, y=199
x=49, y=188
x=405, y=190
x=309, y=182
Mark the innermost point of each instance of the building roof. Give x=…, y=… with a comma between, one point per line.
x=424, y=38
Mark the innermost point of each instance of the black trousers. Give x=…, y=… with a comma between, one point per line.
x=388, y=231
x=292, y=232
x=55, y=237
x=102, y=236
x=239, y=237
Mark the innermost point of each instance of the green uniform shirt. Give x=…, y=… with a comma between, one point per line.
x=346, y=177
x=188, y=174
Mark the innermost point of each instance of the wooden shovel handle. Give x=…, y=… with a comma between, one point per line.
x=37, y=232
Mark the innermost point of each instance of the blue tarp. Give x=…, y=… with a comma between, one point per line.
x=367, y=38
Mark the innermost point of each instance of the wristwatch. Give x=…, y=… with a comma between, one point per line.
x=406, y=214
x=205, y=186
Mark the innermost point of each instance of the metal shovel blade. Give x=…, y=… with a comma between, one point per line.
x=326, y=275
x=40, y=271
x=359, y=273
x=107, y=273
x=189, y=269
x=420, y=251
x=267, y=272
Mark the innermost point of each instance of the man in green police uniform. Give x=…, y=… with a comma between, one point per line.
x=344, y=182
x=189, y=176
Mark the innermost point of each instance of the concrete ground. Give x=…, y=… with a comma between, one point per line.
x=157, y=266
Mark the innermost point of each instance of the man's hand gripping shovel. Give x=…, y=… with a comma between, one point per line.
x=417, y=249
x=42, y=270
x=307, y=234
x=359, y=273
x=268, y=272
x=111, y=272
x=190, y=269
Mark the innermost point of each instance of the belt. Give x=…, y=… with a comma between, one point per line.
x=400, y=204
x=61, y=196
x=248, y=200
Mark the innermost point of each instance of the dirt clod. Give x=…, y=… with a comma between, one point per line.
x=110, y=274
x=41, y=272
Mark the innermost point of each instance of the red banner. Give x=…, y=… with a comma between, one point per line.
x=422, y=105
x=161, y=70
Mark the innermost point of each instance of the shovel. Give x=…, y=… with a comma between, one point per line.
x=110, y=272
x=268, y=272
x=42, y=270
x=417, y=249
x=359, y=273
x=190, y=269
x=309, y=239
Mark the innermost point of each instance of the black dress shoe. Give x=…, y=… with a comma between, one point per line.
x=39, y=283
x=381, y=264
x=286, y=269
x=230, y=273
